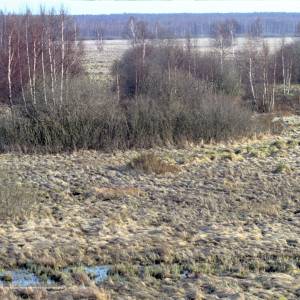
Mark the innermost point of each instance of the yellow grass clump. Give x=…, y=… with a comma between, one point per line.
x=150, y=163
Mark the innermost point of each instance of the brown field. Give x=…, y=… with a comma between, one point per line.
x=202, y=222
x=207, y=221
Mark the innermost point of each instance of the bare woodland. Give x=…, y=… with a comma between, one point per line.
x=38, y=55
x=161, y=88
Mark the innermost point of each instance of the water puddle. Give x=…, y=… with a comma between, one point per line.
x=25, y=278
x=97, y=273
x=21, y=278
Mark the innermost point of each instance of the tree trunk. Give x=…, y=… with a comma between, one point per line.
x=62, y=60
x=28, y=61
x=118, y=87
x=274, y=87
x=34, y=72
x=43, y=72
x=283, y=70
x=251, y=82
x=51, y=69
x=21, y=75
x=9, y=65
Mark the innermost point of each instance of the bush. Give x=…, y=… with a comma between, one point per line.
x=152, y=75
x=85, y=120
x=92, y=118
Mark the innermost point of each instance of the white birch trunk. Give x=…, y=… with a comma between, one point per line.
x=28, y=61
x=51, y=69
x=43, y=72
x=62, y=60
x=251, y=81
x=21, y=75
x=34, y=72
x=9, y=65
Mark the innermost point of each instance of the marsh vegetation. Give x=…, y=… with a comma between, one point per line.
x=178, y=170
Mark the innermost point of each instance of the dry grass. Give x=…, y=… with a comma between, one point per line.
x=75, y=293
x=106, y=193
x=282, y=168
x=7, y=294
x=200, y=233
x=16, y=200
x=150, y=163
x=92, y=293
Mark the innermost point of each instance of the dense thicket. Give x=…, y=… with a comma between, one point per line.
x=256, y=74
x=93, y=119
x=152, y=69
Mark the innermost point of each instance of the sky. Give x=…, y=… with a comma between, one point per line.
x=153, y=6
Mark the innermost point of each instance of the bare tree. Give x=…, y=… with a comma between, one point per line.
x=51, y=68
x=256, y=29
x=286, y=62
x=62, y=55
x=43, y=65
x=21, y=74
x=233, y=27
x=28, y=56
x=260, y=72
x=100, y=41
x=9, y=67
x=33, y=48
x=222, y=40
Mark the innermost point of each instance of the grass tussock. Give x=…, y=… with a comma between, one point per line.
x=91, y=293
x=16, y=200
x=150, y=163
x=8, y=294
x=282, y=167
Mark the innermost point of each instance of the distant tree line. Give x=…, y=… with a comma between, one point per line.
x=182, y=25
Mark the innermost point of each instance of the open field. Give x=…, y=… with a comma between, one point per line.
x=98, y=63
x=173, y=175
x=217, y=222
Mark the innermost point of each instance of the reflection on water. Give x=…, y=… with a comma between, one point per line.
x=25, y=278
x=97, y=273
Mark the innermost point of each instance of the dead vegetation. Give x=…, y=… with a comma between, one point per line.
x=107, y=193
x=17, y=200
x=74, y=293
x=151, y=163
x=208, y=220
x=175, y=224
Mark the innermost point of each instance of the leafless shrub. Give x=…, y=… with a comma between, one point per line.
x=150, y=70
x=165, y=94
x=184, y=111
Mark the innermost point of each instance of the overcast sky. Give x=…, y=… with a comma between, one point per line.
x=154, y=6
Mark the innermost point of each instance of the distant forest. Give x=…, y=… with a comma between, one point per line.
x=183, y=25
